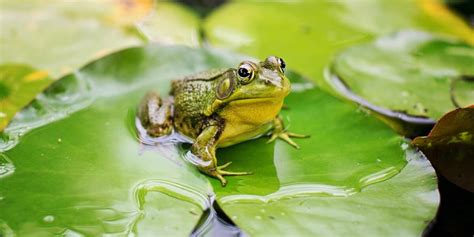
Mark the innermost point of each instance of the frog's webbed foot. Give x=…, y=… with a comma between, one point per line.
x=280, y=132
x=219, y=173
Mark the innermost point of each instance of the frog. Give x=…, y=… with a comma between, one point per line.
x=220, y=108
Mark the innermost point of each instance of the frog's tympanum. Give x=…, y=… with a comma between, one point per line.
x=220, y=108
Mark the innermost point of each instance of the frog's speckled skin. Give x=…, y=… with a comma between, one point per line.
x=220, y=108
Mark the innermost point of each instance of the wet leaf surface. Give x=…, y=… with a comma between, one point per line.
x=74, y=165
x=450, y=147
x=18, y=86
x=414, y=73
x=400, y=206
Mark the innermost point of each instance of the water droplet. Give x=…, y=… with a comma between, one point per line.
x=60, y=140
x=234, y=217
x=258, y=217
x=6, y=166
x=379, y=160
x=379, y=176
x=48, y=219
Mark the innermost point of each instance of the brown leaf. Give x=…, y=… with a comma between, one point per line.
x=450, y=147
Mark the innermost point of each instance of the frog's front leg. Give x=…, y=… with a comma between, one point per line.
x=204, y=147
x=280, y=132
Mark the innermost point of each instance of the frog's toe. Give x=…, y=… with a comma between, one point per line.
x=272, y=138
x=290, y=134
x=221, y=179
x=220, y=167
x=230, y=173
x=286, y=136
x=220, y=170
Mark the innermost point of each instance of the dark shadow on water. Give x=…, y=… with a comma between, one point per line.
x=215, y=223
x=455, y=215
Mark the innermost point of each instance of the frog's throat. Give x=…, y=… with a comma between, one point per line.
x=210, y=109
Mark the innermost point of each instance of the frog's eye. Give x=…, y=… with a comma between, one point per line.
x=282, y=64
x=276, y=63
x=246, y=73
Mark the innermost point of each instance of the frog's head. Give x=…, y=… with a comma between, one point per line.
x=265, y=80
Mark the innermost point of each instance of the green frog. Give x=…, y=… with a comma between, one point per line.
x=220, y=108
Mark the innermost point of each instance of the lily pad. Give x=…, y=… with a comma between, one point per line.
x=397, y=207
x=410, y=75
x=75, y=166
x=309, y=33
x=18, y=85
x=61, y=36
x=450, y=146
x=171, y=23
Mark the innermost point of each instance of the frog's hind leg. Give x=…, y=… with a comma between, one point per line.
x=156, y=115
x=204, y=147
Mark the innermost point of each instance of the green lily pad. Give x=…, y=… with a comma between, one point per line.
x=18, y=85
x=410, y=73
x=309, y=33
x=73, y=164
x=396, y=207
x=61, y=36
x=171, y=23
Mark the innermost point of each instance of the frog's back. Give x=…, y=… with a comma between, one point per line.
x=192, y=95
